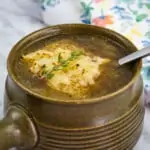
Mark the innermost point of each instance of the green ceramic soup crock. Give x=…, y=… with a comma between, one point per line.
x=32, y=121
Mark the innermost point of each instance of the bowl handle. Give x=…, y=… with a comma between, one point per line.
x=17, y=129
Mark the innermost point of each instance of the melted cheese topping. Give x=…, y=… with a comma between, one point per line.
x=71, y=72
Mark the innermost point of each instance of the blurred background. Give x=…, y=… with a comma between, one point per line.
x=17, y=19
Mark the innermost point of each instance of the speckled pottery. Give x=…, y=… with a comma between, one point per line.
x=32, y=121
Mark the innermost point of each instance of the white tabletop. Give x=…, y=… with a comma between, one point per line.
x=17, y=19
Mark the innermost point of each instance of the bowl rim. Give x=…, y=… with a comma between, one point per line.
x=63, y=101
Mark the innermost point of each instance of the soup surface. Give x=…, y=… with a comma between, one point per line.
x=76, y=67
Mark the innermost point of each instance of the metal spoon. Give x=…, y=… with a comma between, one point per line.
x=134, y=56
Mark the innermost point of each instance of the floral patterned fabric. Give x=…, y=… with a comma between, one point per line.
x=130, y=18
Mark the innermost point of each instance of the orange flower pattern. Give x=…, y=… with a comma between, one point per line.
x=103, y=20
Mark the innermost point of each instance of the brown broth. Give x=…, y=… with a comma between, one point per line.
x=111, y=79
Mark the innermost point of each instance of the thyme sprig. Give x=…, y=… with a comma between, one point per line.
x=62, y=63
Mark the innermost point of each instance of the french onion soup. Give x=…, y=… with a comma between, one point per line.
x=76, y=67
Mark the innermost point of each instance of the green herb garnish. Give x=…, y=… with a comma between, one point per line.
x=63, y=63
x=44, y=72
x=76, y=53
x=59, y=58
x=49, y=76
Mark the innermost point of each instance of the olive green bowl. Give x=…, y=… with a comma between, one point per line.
x=32, y=121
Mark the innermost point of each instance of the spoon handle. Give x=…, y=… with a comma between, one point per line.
x=138, y=54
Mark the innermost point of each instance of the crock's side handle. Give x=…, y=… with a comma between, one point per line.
x=17, y=130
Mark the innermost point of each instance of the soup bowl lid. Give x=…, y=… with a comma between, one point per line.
x=69, y=29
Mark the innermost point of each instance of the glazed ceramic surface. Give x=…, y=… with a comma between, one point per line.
x=110, y=122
